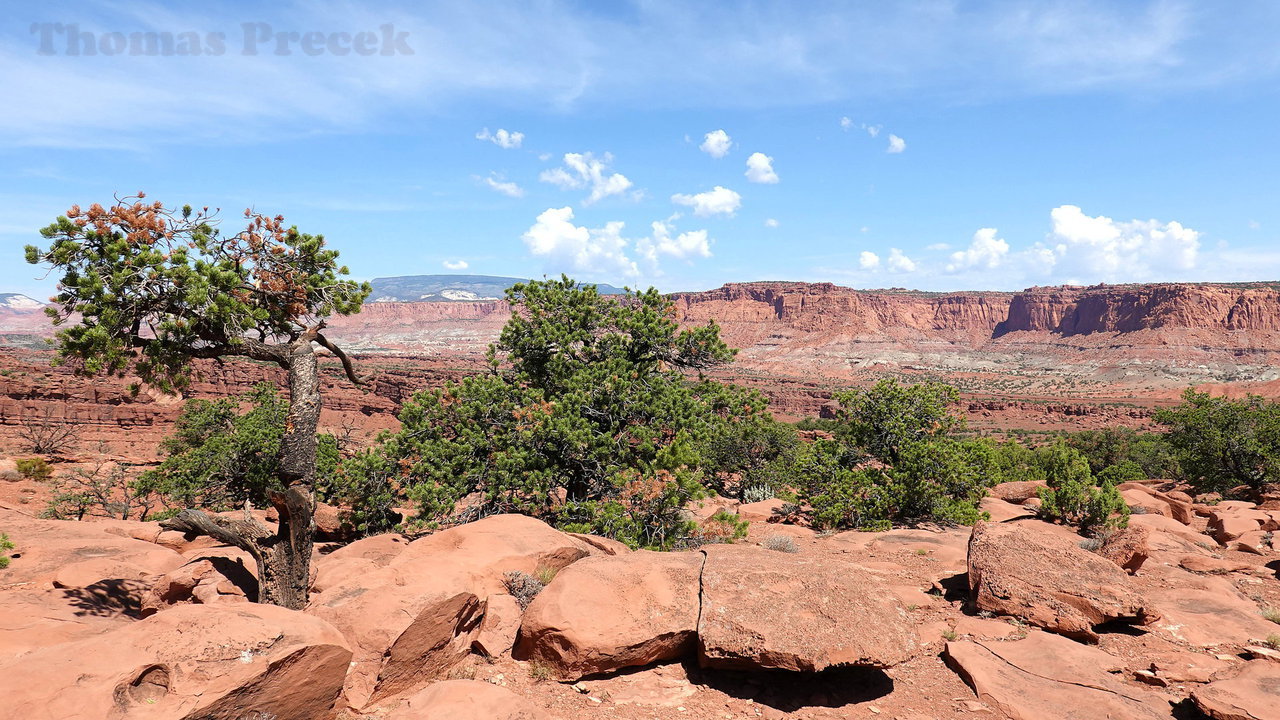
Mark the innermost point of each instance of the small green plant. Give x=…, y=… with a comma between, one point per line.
x=949, y=635
x=545, y=574
x=723, y=527
x=5, y=546
x=540, y=671
x=781, y=543
x=464, y=671
x=1273, y=641
x=1272, y=614
x=36, y=468
x=522, y=586
x=921, y=552
x=1092, y=544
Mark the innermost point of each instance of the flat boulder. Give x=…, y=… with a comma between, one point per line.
x=1004, y=511
x=768, y=610
x=1208, y=612
x=1048, y=676
x=466, y=700
x=414, y=618
x=1152, y=501
x=212, y=663
x=611, y=612
x=1017, y=492
x=1253, y=694
x=45, y=548
x=1028, y=570
x=1228, y=523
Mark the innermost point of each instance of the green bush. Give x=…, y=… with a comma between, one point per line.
x=870, y=480
x=222, y=454
x=738, y=453
x=1222, y=443
x=1150, y=452
x=1073, y=498
x=599, y=398
x=37, y=469
x=886, y=418
x=5, y=546
x=1126, y=471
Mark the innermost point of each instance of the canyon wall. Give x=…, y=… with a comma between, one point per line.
x=1107, y=345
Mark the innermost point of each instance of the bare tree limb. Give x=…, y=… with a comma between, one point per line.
x=347, y=366
x=243, y=533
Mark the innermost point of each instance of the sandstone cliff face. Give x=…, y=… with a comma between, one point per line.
x=824, y=306
x=1078, y=311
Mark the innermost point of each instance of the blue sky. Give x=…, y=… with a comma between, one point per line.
x=933, y=145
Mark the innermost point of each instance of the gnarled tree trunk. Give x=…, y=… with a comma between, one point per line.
x=283, y=557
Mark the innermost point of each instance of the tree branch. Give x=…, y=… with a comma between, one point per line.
x=338, y=353
x=243, y=533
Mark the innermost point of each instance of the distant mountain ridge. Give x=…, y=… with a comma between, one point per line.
x=18, y=301
x=450, y=288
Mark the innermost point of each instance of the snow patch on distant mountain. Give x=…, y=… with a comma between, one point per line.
x=18, y=301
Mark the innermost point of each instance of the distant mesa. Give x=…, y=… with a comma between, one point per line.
x=449, y=288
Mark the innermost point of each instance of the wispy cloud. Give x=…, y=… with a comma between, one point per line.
x=657, y=54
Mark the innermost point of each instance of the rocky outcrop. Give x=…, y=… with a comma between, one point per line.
x=1130, y=308
x=466, y=700
x=613, y=612
x=215, y=662
x=1046, y=676
x=768, y=610
x=414, y=618
x=1030, y=571
x=740, y=607
x=1253, y=694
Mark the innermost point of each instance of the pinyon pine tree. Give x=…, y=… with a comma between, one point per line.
x=150, y=288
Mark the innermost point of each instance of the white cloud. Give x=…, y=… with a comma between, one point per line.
x=605, y=251
x=584, y=170
x=760, y=169
x=717, y=201
x=985, y=251
x=509, y=189
x=684, y=246
x=868, y=260
x=847, y=124
x=938, y=246
x=502, y=138
x=662, y=56
x=716, y=143
x=770, y=223
x=455, y=264
x=1099, y=248
x=899, y=263
x=896, y=144
x=600, y=250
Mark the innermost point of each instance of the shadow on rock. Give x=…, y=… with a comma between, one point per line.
x=790, y=691
x=955, y=588
x=108, y=598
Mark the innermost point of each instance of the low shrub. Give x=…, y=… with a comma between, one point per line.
x=522, y=586
x=36, y=468
x=5, y=546
x=1073, y=498
x=781, y=543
